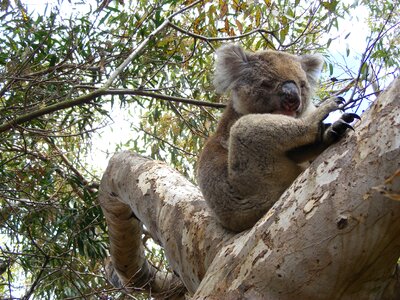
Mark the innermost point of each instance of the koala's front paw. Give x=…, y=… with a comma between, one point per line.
x=322, y=112
x=338, y=128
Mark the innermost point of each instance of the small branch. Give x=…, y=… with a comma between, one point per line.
x=134, y=54
x=345, y=89
x=71, y=167
x=97, y=93
x=49, y=109
x=37, y=280
x=163, y=97
x=228, y=38
x=185, y=8
x=366, y=55
x=192, y=129
x=168, y=143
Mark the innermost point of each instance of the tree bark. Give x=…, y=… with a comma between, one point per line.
x=334, y=234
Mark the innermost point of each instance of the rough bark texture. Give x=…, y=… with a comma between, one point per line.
x=334, y=234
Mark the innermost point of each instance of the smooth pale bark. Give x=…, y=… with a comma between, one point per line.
x=334, y=234
x=174, y=213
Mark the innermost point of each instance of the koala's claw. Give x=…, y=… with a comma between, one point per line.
x=349, y=117
x=339, y=127
x=336, y=130
x=340, y=100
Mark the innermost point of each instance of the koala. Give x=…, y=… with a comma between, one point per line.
x=268, y=130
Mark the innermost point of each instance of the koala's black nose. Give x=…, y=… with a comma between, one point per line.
x=290, y=95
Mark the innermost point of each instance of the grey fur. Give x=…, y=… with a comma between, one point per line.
x=269, y=128
x=229, y=65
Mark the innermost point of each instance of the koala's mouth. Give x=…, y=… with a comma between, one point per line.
x=289, y=109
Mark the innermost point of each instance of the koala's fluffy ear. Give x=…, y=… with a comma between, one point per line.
x=312, y=65
x=231, y=61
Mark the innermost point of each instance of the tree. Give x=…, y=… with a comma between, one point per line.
x=61, y=77
x=335, y=236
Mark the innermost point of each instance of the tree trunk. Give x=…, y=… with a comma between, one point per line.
x=334, y=234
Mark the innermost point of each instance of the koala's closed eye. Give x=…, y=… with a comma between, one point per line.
x=268, y=84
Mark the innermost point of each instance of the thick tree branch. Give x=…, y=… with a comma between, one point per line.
x=172, y=202
x=128, y=268
x=332, y=235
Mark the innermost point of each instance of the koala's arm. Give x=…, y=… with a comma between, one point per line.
x=265, y=149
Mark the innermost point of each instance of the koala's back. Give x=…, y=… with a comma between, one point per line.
x=212, y=171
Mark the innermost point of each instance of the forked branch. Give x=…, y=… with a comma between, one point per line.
x=332, y=235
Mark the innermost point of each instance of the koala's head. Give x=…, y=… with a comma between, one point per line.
x=267, y=81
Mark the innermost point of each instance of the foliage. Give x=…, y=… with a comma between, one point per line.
x=59, y=77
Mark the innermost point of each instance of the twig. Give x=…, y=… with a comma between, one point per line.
x=366, y=55
x=38, y=277
x=166, y=142
x=214, y=39
x=303, y=33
